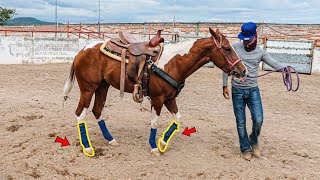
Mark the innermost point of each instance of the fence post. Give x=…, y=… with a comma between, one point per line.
x=80, y=30
x=197, y=29
x=68, y=29
x=261, y=30
x=175, y=37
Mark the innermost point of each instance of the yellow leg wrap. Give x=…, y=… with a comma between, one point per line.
x=85, y=139
x=170, y=131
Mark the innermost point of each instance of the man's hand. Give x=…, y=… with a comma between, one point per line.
x=226, y=92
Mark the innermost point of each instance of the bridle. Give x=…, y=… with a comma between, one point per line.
x=219, y=46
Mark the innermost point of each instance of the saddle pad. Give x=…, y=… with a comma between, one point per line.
x=113, y=55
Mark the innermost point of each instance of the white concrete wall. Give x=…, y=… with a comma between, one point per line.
x=26, y=50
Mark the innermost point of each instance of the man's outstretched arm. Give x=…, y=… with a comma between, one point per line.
x=225, y=85
x=271, y=62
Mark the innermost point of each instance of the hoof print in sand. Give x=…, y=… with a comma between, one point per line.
x=13, y=128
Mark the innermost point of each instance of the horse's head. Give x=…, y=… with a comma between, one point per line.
x=225, y=57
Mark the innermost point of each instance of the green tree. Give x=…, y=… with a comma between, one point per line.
x=6, y=14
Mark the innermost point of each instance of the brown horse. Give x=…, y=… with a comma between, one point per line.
x=95, y=72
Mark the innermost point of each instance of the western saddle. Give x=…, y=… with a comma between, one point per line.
x=128, y=50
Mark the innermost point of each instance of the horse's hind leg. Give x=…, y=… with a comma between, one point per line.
x=100, y=99
x=81, y=112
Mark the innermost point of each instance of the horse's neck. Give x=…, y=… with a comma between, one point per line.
x=182, y=67
x=194, y=66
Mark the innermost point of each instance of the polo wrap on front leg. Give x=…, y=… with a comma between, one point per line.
x=105, y=131
x=152, y=139
x=83, y=135
x=172, y=128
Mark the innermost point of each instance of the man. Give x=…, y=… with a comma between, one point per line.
x=246, y=92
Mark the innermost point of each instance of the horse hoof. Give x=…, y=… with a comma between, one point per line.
x=89, y=151
x=114, y=143
x=155, y=152
x=162, y=144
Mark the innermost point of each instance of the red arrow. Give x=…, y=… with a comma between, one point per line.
x=64, y=142
x=187, y=131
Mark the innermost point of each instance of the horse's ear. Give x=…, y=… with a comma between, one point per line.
x=213, y=33
x=218, y=31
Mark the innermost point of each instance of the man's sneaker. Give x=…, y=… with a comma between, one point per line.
x=256, y=151
x=247, y=155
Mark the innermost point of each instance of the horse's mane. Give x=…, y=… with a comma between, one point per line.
x=174, y=52
x=200, y=46
x=171, y=50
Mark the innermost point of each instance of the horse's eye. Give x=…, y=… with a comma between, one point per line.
x=228, y=50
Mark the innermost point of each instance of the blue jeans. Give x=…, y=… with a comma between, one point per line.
x=252, y=98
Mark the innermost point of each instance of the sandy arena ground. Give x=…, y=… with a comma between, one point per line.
x=32, y=116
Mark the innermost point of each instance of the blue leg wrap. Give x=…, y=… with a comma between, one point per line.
x=83, y=134
x=152, y=139
x=172, y=128
x=105, y=131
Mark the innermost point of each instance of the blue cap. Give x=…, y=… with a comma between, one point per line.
x=248, y=31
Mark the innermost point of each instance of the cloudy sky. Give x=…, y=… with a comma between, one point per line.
x=75, y=11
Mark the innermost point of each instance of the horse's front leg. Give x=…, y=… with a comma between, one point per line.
x=156, y=106
x=172, y=107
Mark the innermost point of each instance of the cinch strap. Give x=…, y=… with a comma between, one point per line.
x=105, y=131
x=165, y=76
x=83, y=134
x=152, y=139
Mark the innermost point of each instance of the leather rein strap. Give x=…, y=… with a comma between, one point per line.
x=165, y=76
x=219, y=46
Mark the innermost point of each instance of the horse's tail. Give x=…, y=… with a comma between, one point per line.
x=69, y=83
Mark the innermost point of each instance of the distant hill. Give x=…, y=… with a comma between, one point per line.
x=25, y=21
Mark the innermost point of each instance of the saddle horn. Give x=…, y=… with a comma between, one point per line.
x=157, y=39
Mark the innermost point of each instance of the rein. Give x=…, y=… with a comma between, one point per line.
x=286, y=75
x=219, y=46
